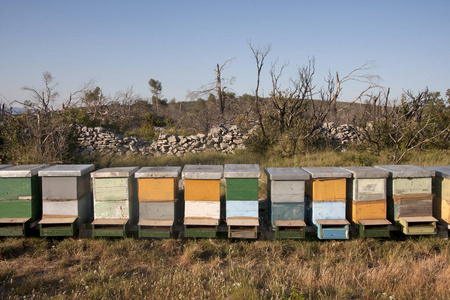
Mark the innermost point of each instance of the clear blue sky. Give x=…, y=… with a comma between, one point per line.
x=125, y=43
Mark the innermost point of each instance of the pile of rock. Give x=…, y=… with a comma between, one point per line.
x=220, y=138
x=342, y=134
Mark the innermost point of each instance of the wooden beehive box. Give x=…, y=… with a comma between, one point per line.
x=326, y=200
x=115, y=203
x=242, y=207
x=66, y=199
x=366, y=200
x=409, y=195
x=20, y=199
x=286, y=200
x=201, y=199
x=441, y=191
x=158, y=198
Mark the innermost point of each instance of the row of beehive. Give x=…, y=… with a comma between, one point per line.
x=65, y=191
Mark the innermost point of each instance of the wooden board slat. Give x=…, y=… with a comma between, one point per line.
x=201, y=190
x=146, y=222
x=419, y=219
x=157, y=210
x=328, y=210
x=57, y=220
x=290, y=223
x=333, y=222
x=242, y=221
x=14, y=188
x=288, y=211
x=375, y=222
x=110, y=222
x=14, y=220
x=201, y=221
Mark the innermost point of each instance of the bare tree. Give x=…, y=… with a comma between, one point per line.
x=259, y=53
x=220, y=87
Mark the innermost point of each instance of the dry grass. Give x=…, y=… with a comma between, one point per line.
x=416, y=268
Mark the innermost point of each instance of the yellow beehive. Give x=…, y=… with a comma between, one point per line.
x=363, y=210
x=441, y=190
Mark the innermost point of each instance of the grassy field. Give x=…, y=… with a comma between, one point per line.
x=34, y=268
x=405, y=268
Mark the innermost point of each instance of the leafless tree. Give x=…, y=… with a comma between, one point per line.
x=259, y=53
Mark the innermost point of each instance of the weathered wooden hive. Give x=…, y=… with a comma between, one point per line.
x=441, y=191
x=242, y=207
x=66, y=199
x=409, y=195
x=20, y=199
x=326, y=201
x=115, y=203
x=158, y=199
x=286, y=196
x=366, y=201
x=201, y=199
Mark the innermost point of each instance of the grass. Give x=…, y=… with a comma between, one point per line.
x=316, y=159
x=415, y=268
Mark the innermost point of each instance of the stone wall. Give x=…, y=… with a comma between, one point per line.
x=220, y=138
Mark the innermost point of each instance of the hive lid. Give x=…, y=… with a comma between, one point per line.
x=406, y=171
x=66, y=170
x=22, y=171
x=158, y=172
x=286, y=174
x=241, y=171
x=5, y=166
x=202, y=172
x=327, y=172
x=114, y=172
x=441, y=171
x=367, y=172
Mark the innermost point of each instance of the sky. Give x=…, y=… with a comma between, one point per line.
x=122, y=44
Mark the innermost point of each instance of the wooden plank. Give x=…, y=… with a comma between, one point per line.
x=145, y=222
x=369, y=189
x=111, y=210
x=65, y=188
x=288, y=211
x=242, y=189
x=201, y=221
x=120, y=222
x=288, y=187
x=422, y=207
x=445, y=210
x=157, y=189
x=236, y=221
x=157, y=210
x=14, y=220
x=329, y=190
x=290, y=223
x=201, y=190
x=328, y=210
x=245, y=208
x=333, y=222
x=15, y=188
x=59, y=220
x=61, y=207
x=368, y=210
x=419, y=219
x=202, y=209
x=374, y=222
x=16, y=209
x=407, y=186
x=111, y=189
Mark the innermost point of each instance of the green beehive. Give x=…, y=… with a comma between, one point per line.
x=20, y=199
